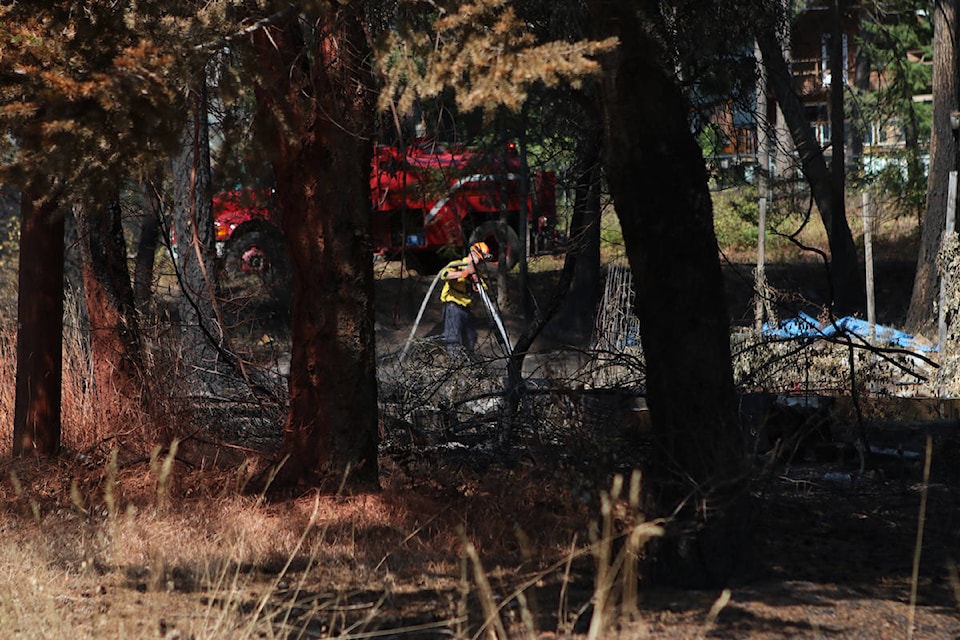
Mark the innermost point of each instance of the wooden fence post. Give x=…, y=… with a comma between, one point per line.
x=950, y=226
x=868, y=265
x=760, y=278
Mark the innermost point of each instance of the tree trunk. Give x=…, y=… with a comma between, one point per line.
x=147, y=243
x=862, y=67
x=849, y=293
x=658, y=180
x=193, y=226
x=516, y=388
x=784, y=146
x=847, y=283
x=317, y=101
x=523, y=231
x=575, y=320
x=114, y=325
x=36, y=421
x=922, y=316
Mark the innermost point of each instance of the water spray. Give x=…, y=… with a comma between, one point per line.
x=491, y=309
x=416, y=324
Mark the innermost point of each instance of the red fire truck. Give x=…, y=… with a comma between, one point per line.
x=429, y=201
x=432, y=200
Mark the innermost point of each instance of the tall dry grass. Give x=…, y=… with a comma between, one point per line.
x=95, y=544
x=8, y=351
x=122, y=538
x=119, y=560
x=112, y=546
x=98, y=545
x=83, y=415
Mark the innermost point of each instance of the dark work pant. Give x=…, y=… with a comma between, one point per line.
x=458, y=327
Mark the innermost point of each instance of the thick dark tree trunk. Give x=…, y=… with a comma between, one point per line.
x=36, y=420
x=147, y=243
x=658, y=180
x=113, y=322
x=321, y=117
x=922, y=316
x=193, y=225
x=575, y=320
x=848, y=288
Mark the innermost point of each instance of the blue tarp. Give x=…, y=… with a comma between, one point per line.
x=806, y=326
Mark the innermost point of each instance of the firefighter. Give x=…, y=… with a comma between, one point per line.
x=460, y=281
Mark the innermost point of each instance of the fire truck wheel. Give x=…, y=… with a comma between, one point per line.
x=497, y=234
x=256, y=263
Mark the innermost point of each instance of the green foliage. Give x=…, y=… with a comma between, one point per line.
x=924, y=111
x=907, y=189
x=711, y=139
x=611, y=235
x=897, y=39
x=736, y=213
x=899, y=44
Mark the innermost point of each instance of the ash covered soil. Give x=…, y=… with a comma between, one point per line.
x=805, y=287
x=835, y=549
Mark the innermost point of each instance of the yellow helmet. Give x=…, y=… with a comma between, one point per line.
x=480, y=251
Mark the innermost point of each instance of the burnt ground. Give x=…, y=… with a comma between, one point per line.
x=798, y=286
x=805, y=287
x=834, y=549
x=835, y=542
x=832, y=544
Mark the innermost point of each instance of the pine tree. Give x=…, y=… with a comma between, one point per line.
x=88, y=98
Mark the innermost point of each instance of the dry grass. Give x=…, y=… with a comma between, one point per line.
x=110, y=541
x=895, y=236
x=115, y=540
x=121, y=538
x=118, y=539
x=216, y=564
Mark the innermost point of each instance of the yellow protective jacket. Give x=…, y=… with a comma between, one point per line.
x=457, y=290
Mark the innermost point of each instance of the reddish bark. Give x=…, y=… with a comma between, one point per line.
x=320, y=112
x=114, y=326
x=36, y=421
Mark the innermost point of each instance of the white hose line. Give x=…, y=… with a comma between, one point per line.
x=416, y=324
x=496, y=318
